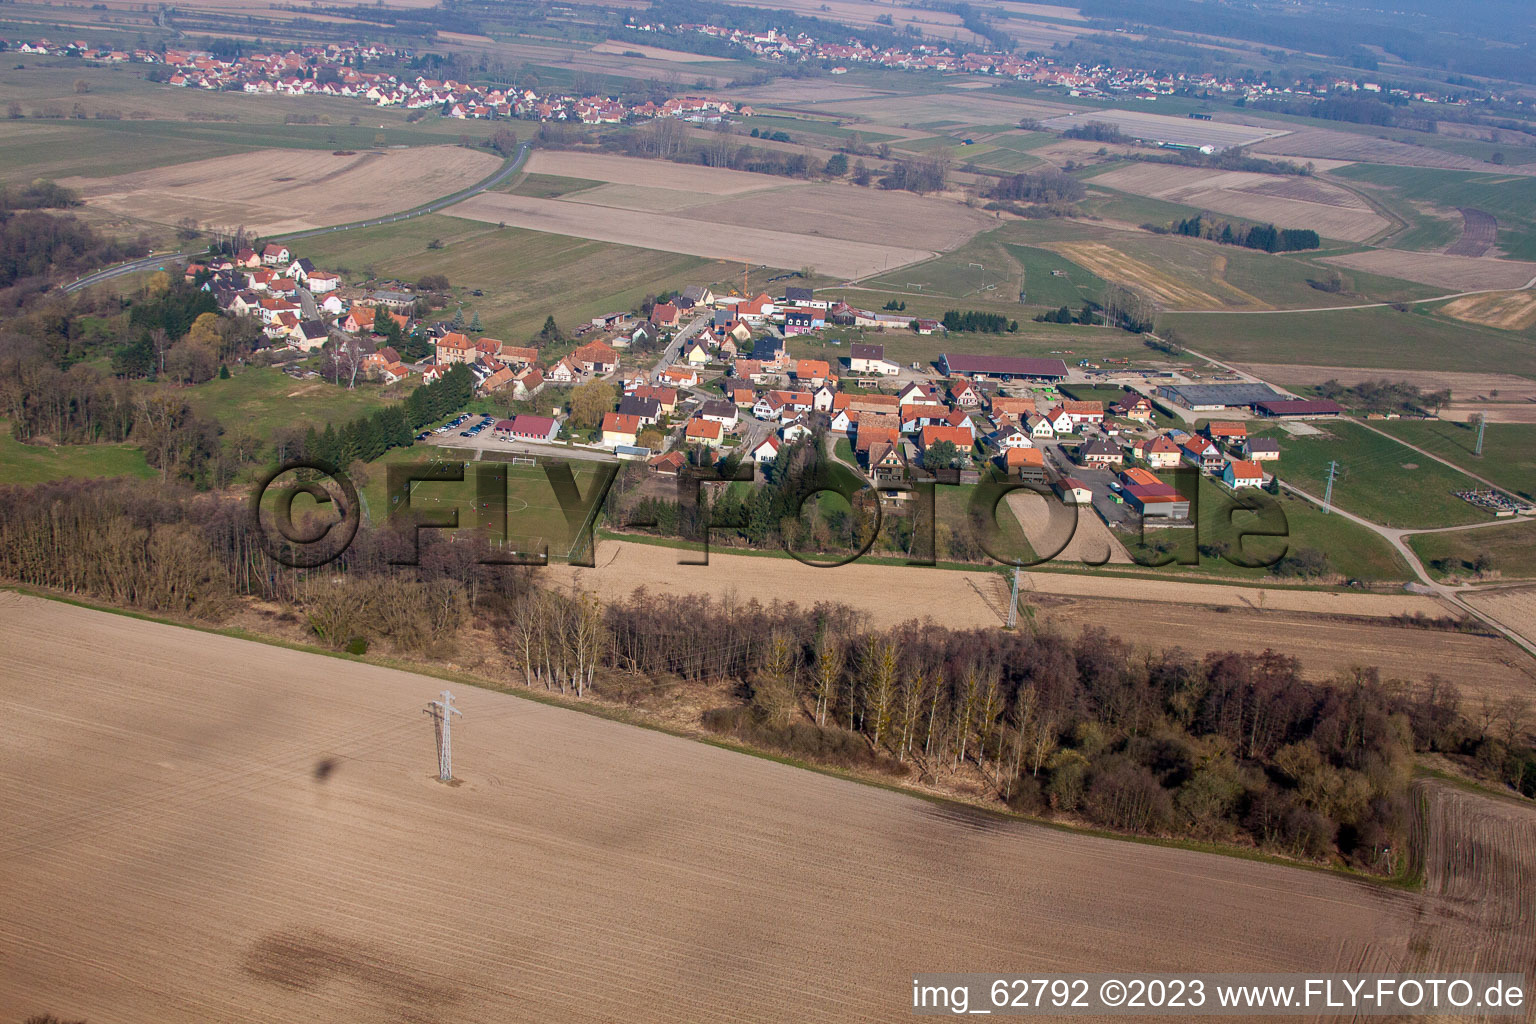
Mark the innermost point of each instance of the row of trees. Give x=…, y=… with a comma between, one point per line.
x=956, y=322
x=1259, y=236
x=1231, y=747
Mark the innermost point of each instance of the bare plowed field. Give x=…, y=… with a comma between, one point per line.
x=1479, y=230
x=1091, y=542
x=197, y=828
x=670, y=233
x=1336, y=145
x=629, y=170
x=289, y=190
x=1511, y=311
x=1514, y=607
x=1164, y=288
x=1290, y=202
x=1480, y=884
x=1479, y=666
x=838, y=211
x=1462, y=273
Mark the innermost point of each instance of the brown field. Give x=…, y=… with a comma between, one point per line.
x=1463, y=273
x=682, y=234
x=1511, y=311
x=1201, y=617
x=629, y=170
x=863, y=215
x=289, y=190
x=1513, y=607
x=1479, y=867
x=1167, y=290
x=201, y=828
x=1336, y=145
x=1479, y=666
x=1331, y=211
x=1091, y=541
x=1479, y=230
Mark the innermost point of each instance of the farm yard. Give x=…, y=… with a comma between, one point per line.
x=241, y=811
x=289, y=190
x=1290, y=202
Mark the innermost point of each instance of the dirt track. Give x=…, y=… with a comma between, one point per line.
x=197, y=828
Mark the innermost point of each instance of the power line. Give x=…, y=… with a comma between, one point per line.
x=442, y=712
x=1333, y=467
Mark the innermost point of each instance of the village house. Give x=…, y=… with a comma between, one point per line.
x=359, y=320
x=1040, y=428
x=767, y=451
x=1239, y=473
x=1158, y=452
x=527, y=383
x=620, y=429
x=705, y=432
x=1133, y=407
x=646, y=410
x=596, y=357
x=1261, y=449
x=1202, y=454
x=869, y=360
x=669, y=464
x=664, y=314
x=722, y=411
x=527, y=427
x=1227, y=432
x=680, y=377
x=454, y=347
x=666, y=398
x=1028, y=464
x=275, y=254
x=1100, y=452
x=1073, y=491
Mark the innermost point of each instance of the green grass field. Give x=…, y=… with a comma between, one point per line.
x=259, y=400
x=1509, y=549
x=35, y=464
x=1378, y=478
x=546, y=186
x=1352, y=550
x=1509, y=449
x=1376, y=338
x=1509, y=197
x=524, y=275
x=533, y=514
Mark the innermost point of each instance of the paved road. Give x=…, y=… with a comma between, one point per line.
x=150, y=262
x=675, y=347
x=155, y=261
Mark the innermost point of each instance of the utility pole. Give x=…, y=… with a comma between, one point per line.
x=1328, y=493
x=1013, y=602
x=442, y=712
x=1482, y=423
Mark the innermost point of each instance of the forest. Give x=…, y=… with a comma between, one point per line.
x=1233, y=748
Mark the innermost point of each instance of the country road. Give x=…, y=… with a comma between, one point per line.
x=157, y=261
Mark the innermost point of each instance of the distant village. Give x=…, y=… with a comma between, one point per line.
x=700, y=375
x=341, y=69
